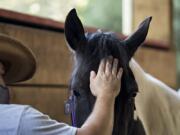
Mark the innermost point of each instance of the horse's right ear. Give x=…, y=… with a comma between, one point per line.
x=74, y=31
x=137, y=38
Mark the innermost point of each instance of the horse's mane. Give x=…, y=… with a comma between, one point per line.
x=160, y=107
x=137, y=70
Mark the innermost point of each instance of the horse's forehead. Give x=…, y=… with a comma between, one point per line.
x=100, y=34
x=99, y=46
x=104, y=41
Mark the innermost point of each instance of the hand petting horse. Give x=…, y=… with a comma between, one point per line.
x=145, y=106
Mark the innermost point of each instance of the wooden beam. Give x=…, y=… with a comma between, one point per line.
x=11, y=17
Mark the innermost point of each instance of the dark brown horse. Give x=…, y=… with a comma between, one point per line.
x=89, y=49
x=154, y=110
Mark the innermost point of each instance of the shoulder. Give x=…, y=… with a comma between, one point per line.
x=10, y=116
x=12, y=110
x=13, y=106
x=36, y=123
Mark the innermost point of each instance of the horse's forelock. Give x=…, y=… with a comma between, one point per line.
x=103, y=44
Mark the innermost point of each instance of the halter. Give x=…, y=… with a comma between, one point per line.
x=70, y=109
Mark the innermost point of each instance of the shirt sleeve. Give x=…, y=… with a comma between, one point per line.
x=34, y=122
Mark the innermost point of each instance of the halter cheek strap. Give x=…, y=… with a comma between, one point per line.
x=73, y=112
x=70, y=109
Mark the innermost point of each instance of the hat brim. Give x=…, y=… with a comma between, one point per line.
x=19, y=61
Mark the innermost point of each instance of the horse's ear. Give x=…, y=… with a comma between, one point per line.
x=137, y=38
x=74, y=31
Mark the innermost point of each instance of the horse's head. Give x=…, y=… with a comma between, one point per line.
x=89, y=49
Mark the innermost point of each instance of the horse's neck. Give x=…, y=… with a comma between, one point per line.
x=147, y=82
x=138, y=72
x=156, y=103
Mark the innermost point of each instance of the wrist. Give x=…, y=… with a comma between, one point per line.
x=106, y=97
x=107, y=94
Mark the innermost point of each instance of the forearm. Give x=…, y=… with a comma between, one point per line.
x=100, y=122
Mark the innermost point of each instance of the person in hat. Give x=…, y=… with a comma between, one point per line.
x=17, y=63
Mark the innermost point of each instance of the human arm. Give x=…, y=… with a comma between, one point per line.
x=105, y=86
x=33, y=122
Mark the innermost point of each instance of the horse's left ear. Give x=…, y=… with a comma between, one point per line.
x=74, y=31
x=137, y=38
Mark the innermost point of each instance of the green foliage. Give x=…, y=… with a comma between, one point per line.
x=105, y=14
x=53, y=9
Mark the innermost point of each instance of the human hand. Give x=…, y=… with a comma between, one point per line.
x=107, y=82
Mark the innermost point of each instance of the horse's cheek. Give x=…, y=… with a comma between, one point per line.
x=82, y=111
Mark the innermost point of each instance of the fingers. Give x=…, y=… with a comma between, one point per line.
x=92, y=75
x=102, y=66
x=115, y=67
x=108, y=69
x=109, y=66
x=119, y=74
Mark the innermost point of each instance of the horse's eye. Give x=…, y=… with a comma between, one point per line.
x=76, y=93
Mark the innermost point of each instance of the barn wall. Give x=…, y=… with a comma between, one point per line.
x=159, y=63
x=47, y=90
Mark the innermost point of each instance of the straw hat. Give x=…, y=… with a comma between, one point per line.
x=18, y=60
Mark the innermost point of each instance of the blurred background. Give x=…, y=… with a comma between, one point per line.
x=39, y=24
x=90, y=11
